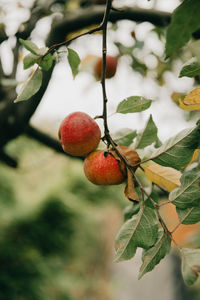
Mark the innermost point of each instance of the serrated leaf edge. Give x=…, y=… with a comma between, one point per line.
x=183, y=190
x=149, y=101
x=164, y=240
x=131, y=235
x=25, y=85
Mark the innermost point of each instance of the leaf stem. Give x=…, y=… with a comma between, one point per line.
x=176, y=227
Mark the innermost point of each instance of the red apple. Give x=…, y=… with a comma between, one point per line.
x=79, y=134
x=111, y=67
x=102, y=168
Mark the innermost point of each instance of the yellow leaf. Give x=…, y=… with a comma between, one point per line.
x=133, y=159
x=191, y=101
x=165, y=177
x=175, y=96
x=193, y=97
x=196, y=152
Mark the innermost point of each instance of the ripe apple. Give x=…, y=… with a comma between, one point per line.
x=102, y=168
x=111, y=67
x=79, y=134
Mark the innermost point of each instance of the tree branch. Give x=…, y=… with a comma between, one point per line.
x=86, y=17
x=5, y=158
x=46, y=140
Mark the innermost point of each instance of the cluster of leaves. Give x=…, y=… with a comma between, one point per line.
x=185, y=22
x=44, y=61
x=165, y=168
x=170, y=167
x=167, y=163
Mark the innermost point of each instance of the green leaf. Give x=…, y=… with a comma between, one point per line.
x=188, y=194
x=139, y=66
x=185, y=20
x=138, y=44
x=190, y=265
x=33, y=48
x=139, y=231
x=125, y=137
x=148, y=136
x=177, y=152
x=31, y=86
x=153, y=196
x=47, y=62
x=74, y=61
x=190, y=70
x=131, y=210
x=153, y=255
x=133, y=104
x=190, y=215
x=29, y=60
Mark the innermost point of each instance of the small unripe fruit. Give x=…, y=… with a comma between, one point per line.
x=79, y=134
x=102, y=168
x=133, y=34
x=111, y=67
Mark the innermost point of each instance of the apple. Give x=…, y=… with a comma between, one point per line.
x=111, y=67
x=79, y=134
x=101, y=168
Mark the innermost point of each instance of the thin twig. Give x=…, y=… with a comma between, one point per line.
x=103, y=76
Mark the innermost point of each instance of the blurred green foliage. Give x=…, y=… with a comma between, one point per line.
x=57, y=229
x=52, y=227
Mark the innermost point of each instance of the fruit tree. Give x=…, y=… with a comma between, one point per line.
x=149, y=167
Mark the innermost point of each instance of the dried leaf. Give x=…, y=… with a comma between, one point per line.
x=167, y=178
x=129, y=191
x=191, y=101
x=130, y=154
x=132, y=158
x=121, y=163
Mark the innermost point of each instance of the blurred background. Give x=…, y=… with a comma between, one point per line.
x=57, y=230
